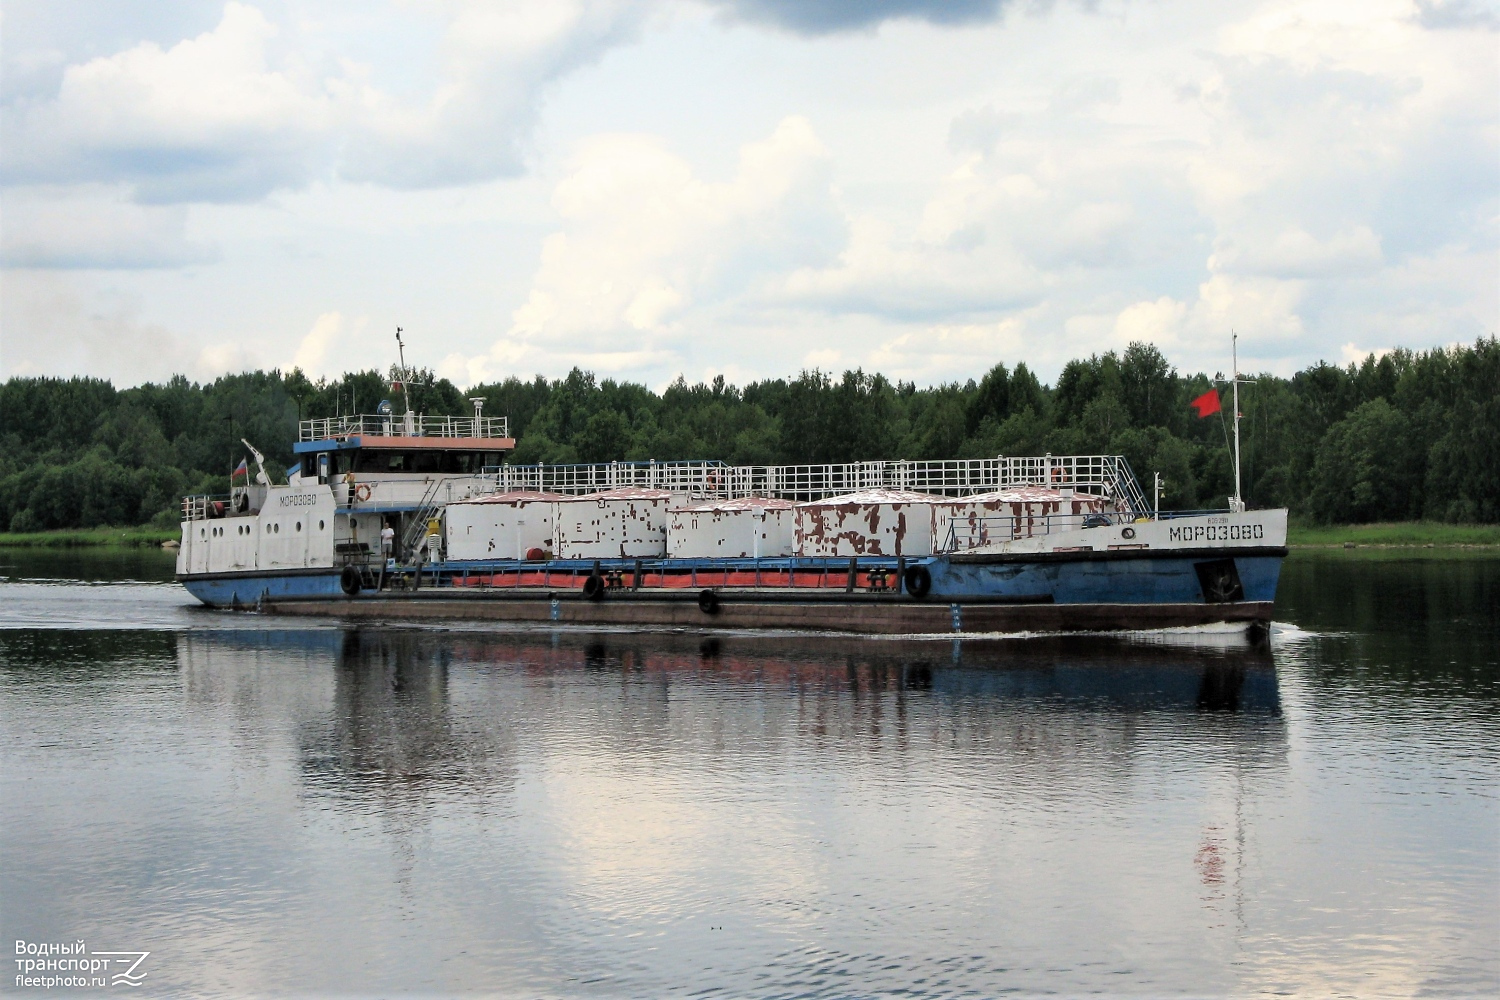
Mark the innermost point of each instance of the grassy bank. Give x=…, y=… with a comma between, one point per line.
x=89, y=538
x=1403, y=533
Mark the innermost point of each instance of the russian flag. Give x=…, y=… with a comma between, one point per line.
x=240, y=470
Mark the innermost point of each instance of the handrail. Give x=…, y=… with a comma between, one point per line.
x=401, y=425
x=1107, y=476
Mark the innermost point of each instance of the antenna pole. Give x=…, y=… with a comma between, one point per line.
x=1239, y=500
x=405, y=378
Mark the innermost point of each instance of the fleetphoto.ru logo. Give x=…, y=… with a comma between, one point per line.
x=55, y=966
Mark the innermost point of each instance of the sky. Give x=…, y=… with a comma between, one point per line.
x=741, y=187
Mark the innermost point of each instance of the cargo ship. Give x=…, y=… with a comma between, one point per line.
x=415, y=516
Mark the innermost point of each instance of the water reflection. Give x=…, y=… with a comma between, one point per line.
x=278, y=809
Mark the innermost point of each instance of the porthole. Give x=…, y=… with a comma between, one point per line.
x=320, y=525
x=277, y=528
x=353, y=524
x=299, y=525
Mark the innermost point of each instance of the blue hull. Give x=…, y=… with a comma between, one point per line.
x=1065, y=581
x=1098, y=581
x=231, y=591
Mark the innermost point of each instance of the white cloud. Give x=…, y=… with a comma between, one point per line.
x=1304, y=171
x=242, y=110
x=207, y=118
x=942, y=352
x=94, y=226
x=55, y=323
x=323, y=351
x=645, y=239
x=1295, y=253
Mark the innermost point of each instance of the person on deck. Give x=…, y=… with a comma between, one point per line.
x=387, y=540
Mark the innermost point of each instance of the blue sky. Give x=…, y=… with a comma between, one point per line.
x=741, y=187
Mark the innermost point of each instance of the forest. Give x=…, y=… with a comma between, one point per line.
x=1401, y=436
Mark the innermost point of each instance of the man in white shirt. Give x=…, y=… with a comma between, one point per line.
x=387, y=540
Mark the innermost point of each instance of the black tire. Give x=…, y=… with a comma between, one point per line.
x=349, y=581
x=593, y=587
x=918, y=582
x=708, y=602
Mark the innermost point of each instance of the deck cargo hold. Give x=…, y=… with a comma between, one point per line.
x=742, y=528
x=1015, y=512
x=613, y=524
x=500, y=525
x=872, y=523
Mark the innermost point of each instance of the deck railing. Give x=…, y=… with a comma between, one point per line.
x=691, y=478
x=402, y=425
x=1106, y=476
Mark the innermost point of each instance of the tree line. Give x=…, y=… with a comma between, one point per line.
x=1401, y=436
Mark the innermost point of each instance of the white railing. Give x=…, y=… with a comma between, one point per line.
x=692, y=478
x=1107, y=476
x=402, y=425
x=972, y=533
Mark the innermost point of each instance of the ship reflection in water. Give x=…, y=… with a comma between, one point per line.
x=273, y=808
x=398, y=722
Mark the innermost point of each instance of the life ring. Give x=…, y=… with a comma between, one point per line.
x=362, y=492
x=593, y=587
x=918, y=582
x=708, y=602
x=349, y=581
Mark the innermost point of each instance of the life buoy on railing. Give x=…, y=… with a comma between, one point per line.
x=362, y=492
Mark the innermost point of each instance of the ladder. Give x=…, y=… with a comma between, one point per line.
x=418, y=524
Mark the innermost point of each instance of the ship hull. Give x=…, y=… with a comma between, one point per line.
x=1050, y=592
x=247, y=589
x=757, y=612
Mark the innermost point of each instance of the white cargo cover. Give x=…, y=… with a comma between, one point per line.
x=870, y=523
x=614, y=524
x=500, y=525
x=742, y=528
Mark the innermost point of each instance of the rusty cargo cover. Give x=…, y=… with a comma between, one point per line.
x=613, y=524
x=870, y=523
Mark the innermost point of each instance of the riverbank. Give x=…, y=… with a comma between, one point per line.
x=1403, y=534
x=89, y=538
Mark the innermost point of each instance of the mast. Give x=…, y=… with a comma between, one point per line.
x=410, y=417
x=1237, y=503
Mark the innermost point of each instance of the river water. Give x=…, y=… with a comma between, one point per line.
x=279, y=806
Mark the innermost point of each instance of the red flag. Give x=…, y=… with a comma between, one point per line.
x=1207, y=404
